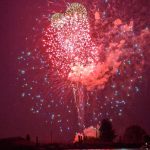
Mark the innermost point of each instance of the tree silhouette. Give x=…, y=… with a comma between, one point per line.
x=107, y=134
x=134, y=134
x=28, y=137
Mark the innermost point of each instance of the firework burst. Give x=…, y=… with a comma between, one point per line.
x=96, y=74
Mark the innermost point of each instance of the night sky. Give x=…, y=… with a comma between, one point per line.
x=18, y=17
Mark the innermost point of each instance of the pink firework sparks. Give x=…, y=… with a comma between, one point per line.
x=100, y=62
x=74, y=54
x=77, y=58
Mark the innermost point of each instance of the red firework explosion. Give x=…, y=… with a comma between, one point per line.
x=77, y=58
x=73, y=53
x=105, y=57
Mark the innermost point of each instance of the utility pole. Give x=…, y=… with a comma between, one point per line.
x=51, y=132
x=51, y=128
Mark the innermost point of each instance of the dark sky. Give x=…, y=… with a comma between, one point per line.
x=17, y=19
x=16, y=22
